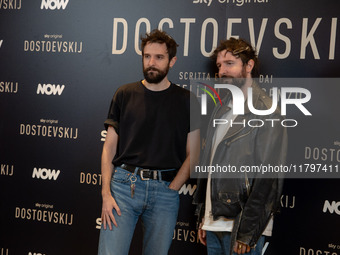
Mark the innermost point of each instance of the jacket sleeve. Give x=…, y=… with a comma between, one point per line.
x=270, y=150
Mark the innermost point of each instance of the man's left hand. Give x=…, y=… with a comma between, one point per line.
x=241, y=248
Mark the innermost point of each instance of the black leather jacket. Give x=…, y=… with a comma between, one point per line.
x=249, y=199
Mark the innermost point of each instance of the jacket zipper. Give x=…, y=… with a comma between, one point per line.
x=247, y=184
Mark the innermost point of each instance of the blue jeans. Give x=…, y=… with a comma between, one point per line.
x=154, y=202
x=218, y=243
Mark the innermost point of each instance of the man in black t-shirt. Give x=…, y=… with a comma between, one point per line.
x=146, y=154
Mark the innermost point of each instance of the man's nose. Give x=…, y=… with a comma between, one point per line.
x=151, y=61
x=222, y=72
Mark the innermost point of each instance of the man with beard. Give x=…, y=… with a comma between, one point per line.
x=235, y=210
x=146, y=154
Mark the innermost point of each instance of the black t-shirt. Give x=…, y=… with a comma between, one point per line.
x=152, y=125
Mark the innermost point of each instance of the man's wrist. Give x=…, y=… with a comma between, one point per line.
x=106, y=193
x=172, y=186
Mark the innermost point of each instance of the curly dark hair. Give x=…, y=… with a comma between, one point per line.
x=158, y=36
x=240, y=49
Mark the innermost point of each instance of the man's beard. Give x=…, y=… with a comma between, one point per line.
x=238, y=80
x=154, y=75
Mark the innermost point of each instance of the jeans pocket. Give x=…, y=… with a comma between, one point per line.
x=120, y=175
x=166, y=185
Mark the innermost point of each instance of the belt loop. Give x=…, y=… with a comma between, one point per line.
x=159, y=175
x=136, y=170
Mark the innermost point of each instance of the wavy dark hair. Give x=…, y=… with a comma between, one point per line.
x=158, y=36
x=240, y=49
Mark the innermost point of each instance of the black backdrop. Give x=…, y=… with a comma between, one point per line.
x=62, y=60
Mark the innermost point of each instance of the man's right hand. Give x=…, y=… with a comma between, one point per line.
x=202, y=235
x=109, y=203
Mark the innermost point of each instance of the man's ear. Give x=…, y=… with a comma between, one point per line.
x=250, y=66
x=172, y=61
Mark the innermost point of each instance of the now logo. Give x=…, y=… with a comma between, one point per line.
x=43, y=173
x=49, y=89
x=185, y=189
x=53, y=4
x=334, y=207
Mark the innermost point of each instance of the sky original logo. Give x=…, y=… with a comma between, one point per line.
x=242, y=2
x=207, y=2
x=54, y=4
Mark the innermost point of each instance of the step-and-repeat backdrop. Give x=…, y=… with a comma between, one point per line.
x=62, y=60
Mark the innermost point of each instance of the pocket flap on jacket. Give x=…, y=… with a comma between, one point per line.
x=228, y=198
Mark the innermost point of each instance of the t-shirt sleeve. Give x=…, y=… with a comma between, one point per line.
x=113, y=115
